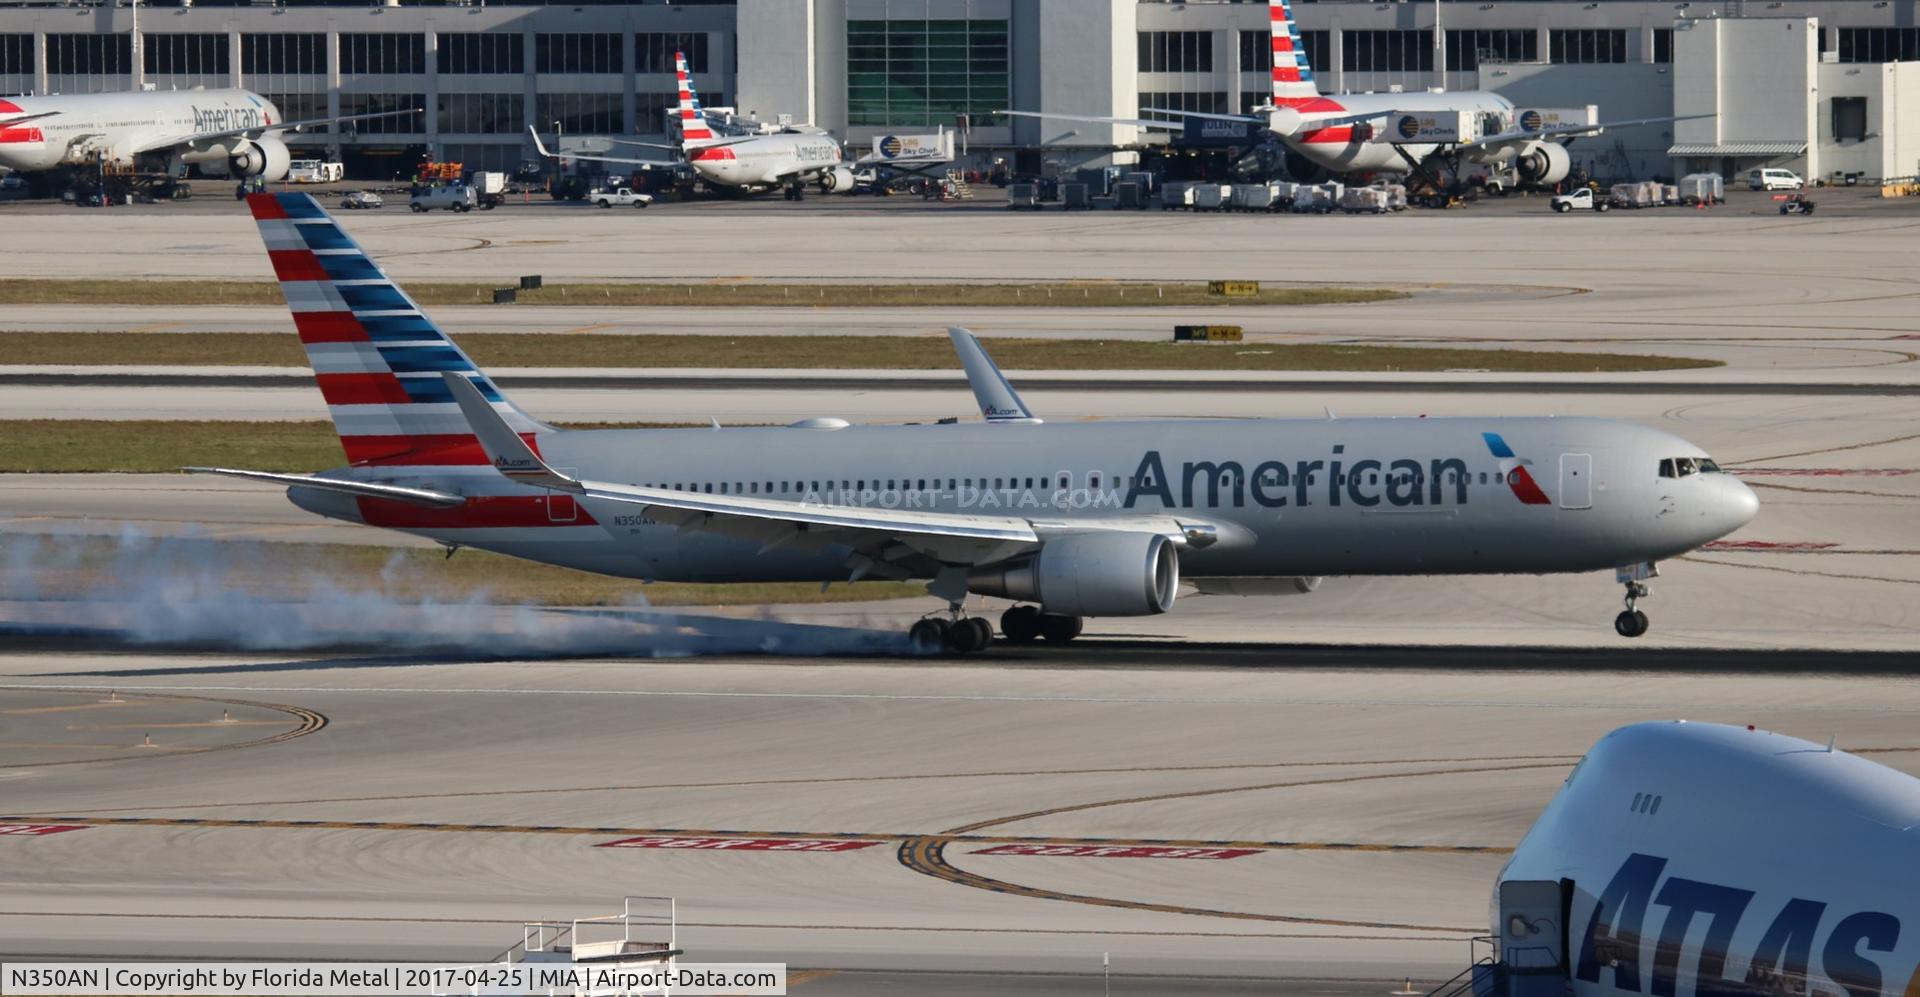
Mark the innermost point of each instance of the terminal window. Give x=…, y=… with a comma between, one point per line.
x=295, y=53
x=581, y=113
x=1176, y=52
x=482, y=113
x=1587, y=45
x=1879, y=44
x=1386, y=51
x=925, y=71
x=1663, y=44
x=16, y=54
x=385, y=53
x=1205, y=102
x=477, y=52
x=185, y=55
x=301, y=107
x=578, y=53
x=82, y=55
x=375, y=103
x=1850, y=119
x=653, y=52
x=1466, y=50
x=1256, y=51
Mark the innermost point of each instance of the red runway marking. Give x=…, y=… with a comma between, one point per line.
x=1824, y=472
x=38, y=830
x=741, y=844
x=1119, y=852
x=1768, y=545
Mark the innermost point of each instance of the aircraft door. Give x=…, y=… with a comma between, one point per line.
x=1576, y=481
x=561, y=507
x=1533, y=937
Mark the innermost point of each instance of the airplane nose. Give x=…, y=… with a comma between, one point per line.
x=1735, y=504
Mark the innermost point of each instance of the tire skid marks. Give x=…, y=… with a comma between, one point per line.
x=308, y=722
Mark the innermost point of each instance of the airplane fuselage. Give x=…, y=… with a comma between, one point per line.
x=767, y=161
x=1293, y=498
x=1690, y=860
x=1368, y=146
x=125, y=127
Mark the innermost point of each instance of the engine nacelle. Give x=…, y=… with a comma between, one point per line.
x=839, y=178
x=1089, y=574
x=1543, y=163
x=265, y=157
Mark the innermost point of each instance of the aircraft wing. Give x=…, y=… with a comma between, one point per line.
x=170, y=141
x=541, y=148
x=365, y=489
x=883, y=540
x=1572, y=131
x=23, y=119
x=1137, y=122
x=999, y=403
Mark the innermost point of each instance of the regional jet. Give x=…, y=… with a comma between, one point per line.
x=225, y=132
x=1700, y=860
x=1068, y=520
x=788, y=159
x=1388, y=132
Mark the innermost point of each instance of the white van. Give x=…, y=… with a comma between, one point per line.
x=1769, y=179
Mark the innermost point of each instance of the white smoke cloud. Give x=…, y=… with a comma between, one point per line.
x=185, y=590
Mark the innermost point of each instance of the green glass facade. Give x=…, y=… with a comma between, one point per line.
x=925, y=72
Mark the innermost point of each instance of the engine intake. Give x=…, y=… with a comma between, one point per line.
x=266, y=157
x=839, y=178
x=1091, y=574
x=1544, y=163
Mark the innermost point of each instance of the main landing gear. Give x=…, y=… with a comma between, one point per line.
x=1632, y=622
x=796, y=191
x=1026, y=624
x=959, y=634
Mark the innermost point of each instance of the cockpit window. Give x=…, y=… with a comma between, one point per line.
x=1681, y=467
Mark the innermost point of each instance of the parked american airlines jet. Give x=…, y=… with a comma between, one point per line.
x=1699, y=860
x=230, y=132
x=1072, y=519
x=1388, y=132
x=752, y=163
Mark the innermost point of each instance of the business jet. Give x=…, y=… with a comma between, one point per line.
x=1070, y=520
x=788, y=159
x=1389, y=132
x=1699, y=860
x=225, y=132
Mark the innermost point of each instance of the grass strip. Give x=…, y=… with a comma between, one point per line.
x=710, y=294
x=657, y=351
x=73, y=567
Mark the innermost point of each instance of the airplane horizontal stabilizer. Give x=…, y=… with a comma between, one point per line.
x=364, y=489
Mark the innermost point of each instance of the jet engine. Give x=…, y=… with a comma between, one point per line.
x=1543, y=163
x=839, y=178
x=1089, y=574
x=265, y=157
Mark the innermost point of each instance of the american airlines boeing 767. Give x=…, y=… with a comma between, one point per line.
x=1069, y=520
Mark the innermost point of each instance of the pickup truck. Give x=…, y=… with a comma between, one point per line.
x=1584, y=199
x=454, y=197
x=623, y=196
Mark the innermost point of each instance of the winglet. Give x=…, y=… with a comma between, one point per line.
x=999, y=403
x=509, y=454
x=539, y=146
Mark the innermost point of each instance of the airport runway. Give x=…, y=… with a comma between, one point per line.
x=422, y=808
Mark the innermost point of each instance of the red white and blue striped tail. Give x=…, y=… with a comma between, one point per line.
x=1292, y=72
x=376, y=355
x=693, y=121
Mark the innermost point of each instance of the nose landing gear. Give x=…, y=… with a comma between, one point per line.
x=1632, y=622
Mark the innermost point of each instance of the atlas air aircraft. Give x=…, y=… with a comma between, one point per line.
x=227, y=132
x=1071, y=520
x=751, y=163
x=1387, y=132
x=1700, y=860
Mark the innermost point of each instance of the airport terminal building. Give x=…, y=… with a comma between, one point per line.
x=1822, y=86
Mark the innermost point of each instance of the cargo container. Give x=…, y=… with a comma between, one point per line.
x=1702, y=188
x=1178, y=194
x=1212, y=197
x=1252, y=197
x=1363, y=200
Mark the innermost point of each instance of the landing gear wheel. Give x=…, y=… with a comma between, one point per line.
x=1021, y=624
x=1630, y=623
x=929, y=636
x=1059, y=629
x=964, y=637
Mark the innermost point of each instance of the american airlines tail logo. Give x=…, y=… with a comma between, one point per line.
x=1515, y=470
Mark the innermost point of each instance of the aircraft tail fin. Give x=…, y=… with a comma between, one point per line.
x=999, y=403
x=376, y=355
x=694, y=131
x=1292, y=72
